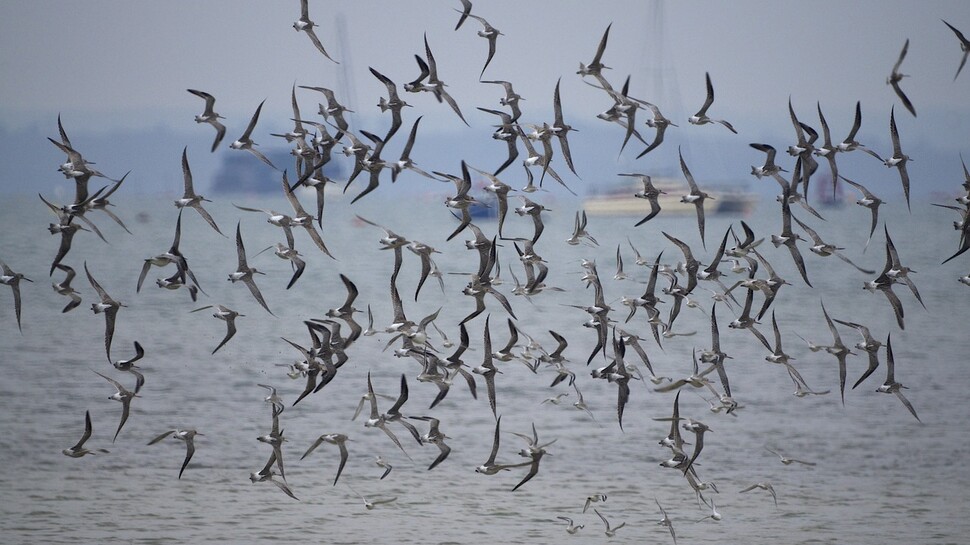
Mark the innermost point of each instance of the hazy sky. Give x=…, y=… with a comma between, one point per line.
x=108, y=65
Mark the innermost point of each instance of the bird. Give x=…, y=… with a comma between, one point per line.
x=64, y=288
x=488, y=32
x=210, y=116
x=533, y=209
x=511, y=99
x=382, y=463
x=891, y=386
x=850, y=143
x=828, y=149
x=78, y=449
x=763, y=486
x=245, y=142
x=370, y=504
x=190, y=197
x=823, y=249
x=244, y=273
x=699, y=428
x=429, y=72
x=508, y=132
x=405, y=161
x=560, y=129
x=534, y=452
x=610, y=530
x=227, y=315
x=715, y=516
x=666, y=522
x=275, y=439
x=304, y=24
x=182, y=435
x=660, y=123
x=129, y=366
x=173, y=255
x=789, y=461
x=596, y=66
x=571, y=527
x=10, y=278
x=301, y=218
x=436, y=437
x=650, y=193
x=465, y=12
x=487, y=369
x=837, y=349
x=869, y=201
x=701, y=118
x=124, y=396
x=884, y=283
x=378, y=420
x=695, y=197
x=964, y=47
x=395, y=105
x=789, y=238
x=898, y=272
x=108, y=306
x=267, y=474
x=593, y=499
x=394, y=413
x=338, y=439
x=769, y=167
x=898, y=158
x=490, y=467
x=895, y=77
x=273, y=398
x=869, y=344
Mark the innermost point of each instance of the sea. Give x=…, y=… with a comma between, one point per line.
x=879, y=475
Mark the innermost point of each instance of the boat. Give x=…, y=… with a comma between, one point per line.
x=619, y=199
x=242, y=173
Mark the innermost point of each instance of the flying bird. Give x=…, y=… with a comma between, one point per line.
x=10, y=278
x=245, y=142
x=244, y=273
x=891, y=386
x=304, y=24
x=78, y=449
x=210, y=116
x=896, y=76
x=190, y=197
x=964, y=47
x=108, y=306
x=701, y=118
x=124, y=396
x=182, y=435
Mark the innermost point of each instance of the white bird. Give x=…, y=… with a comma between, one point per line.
x=610, y=530
x=763, y=486
x=304, y=24
x=210, y=116
x=571, y=528
x=370, y=504
x=245, y=142
x=701, y=118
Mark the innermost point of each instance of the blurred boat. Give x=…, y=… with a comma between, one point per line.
x=619, y=200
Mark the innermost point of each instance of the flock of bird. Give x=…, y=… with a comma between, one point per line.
x=748, y=289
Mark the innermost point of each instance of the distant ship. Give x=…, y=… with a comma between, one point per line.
x=823, y=195
x=242, y=173
x=619, y=200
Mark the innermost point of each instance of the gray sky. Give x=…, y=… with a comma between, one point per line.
x=109, y=65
